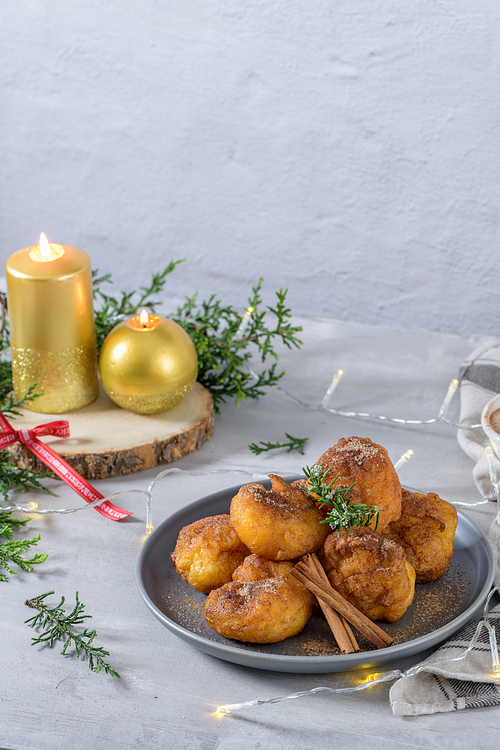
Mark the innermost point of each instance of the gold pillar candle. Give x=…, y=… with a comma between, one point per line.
x=148, y=364
x=52, y=330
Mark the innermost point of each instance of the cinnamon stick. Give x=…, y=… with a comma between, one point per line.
x=339, y=626
x=327, y=594
x=349, y=632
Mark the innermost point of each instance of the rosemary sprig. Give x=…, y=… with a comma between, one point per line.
x=57, y=625
x=292, y=444
x=11, y=551
x=341, y=513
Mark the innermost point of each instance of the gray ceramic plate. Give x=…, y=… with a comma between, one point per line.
x=438, y=610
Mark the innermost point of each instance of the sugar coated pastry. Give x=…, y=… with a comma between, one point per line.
x=263, y=611
x=425, y=530
x=255, y=568
x=370, y=571
x=282, y=523
x=207, y=552
x=360, y=460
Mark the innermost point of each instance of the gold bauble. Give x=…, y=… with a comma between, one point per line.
x=148, y=368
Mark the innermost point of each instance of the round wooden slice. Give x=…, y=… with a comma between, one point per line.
x=107, y=441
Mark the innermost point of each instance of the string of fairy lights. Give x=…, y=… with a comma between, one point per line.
x=325, y=405
x=32, y=507
x=393, y=674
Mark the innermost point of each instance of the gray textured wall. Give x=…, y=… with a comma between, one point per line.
x=346, y=149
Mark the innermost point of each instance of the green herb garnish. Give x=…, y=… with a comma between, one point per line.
x=341, y=514
x=292, y=444
x=57, y=625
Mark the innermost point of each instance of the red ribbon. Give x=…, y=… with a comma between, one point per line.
x=58, y=465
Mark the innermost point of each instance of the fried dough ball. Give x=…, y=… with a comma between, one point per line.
x=263, y=611
x=256, y=568
x=207, y=552
x=282, y=523
x=360, y=460
x=425, y=530
x=371, y=572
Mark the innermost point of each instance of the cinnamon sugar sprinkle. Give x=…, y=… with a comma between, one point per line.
x=359, y=448
x=268, y=585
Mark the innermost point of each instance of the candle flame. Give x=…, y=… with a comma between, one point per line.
x=45, y=249
x=144, y=318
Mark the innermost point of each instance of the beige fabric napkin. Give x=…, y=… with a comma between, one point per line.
x=468, y=682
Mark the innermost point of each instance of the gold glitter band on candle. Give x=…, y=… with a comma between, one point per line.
x=151, y=404
x=74, y=370
x=148, y=364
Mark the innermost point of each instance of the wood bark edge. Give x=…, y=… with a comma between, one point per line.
x=115, y=463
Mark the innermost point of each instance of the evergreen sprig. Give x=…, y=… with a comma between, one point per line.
x=225, y=342
x=20, y=480
x=9, y=404
x=113, y=310
x=12, y=550
x=8, y=522
x=224, y=339
x=4, y=322
x=292, y=444
x=341, y=513
x=58, y=625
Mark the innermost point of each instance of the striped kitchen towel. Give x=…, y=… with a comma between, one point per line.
x=452, y=685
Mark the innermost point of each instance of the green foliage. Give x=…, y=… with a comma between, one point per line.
x=292, y=444
x=58, y=625
x=12, y=550
x=4, y=323
x=109, y=310
x=225, y=342
x=341, y=514
x=20, y=480
x=8, y=523
x=9, y=405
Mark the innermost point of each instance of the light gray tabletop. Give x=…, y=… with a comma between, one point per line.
x=168, y=690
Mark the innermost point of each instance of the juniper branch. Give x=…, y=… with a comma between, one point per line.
x=58, y=625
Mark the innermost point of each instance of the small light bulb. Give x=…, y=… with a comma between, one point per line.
x=31, y=506
x=220, y=712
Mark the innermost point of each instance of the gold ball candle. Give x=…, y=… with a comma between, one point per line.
x=148, y=364
x=52, y=330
